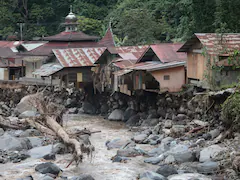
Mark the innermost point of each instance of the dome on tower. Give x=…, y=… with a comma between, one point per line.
x=71, y=17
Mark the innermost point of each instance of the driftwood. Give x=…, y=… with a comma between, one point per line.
x=50, y=114
x=12, y=124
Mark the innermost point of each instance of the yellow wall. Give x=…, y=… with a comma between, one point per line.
x=177, y=78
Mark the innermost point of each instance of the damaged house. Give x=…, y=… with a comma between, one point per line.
x=212, y=59
x=159, y=68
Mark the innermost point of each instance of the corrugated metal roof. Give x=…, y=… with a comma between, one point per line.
x=10, y=44
x=122, y=72
x=214, y=43
x=121, y=63
x=31, y=46
x=48, y=69
x=167, y=52
x=71, y=36
x=78, y=57
x=155, y=65
x=135, y=51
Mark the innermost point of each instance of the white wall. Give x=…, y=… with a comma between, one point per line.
x=1, y=73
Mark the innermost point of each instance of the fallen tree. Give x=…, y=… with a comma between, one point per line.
x=50, y=123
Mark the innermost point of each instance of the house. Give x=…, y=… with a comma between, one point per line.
x=209, y=59
x=159, y=68
x=11, y=65
x=70, y=38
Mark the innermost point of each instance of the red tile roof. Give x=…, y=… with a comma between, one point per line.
x=71, y=36
x=78, y=57
x=108, y=39
x=214, y=43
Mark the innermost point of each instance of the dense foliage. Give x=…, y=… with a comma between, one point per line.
x=133, y=21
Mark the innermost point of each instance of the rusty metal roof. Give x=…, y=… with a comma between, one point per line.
x=131, y=51
x=78, y=57
x=167, y=52
x=218, y=44
x=48, y=69
x=121, y=63
x=122, y=72
x=155, y=65
x=71, y=36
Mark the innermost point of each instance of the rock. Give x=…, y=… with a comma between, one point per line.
x=27, y=114
x=236, y=164
x=180, y=117
x=50, y=156
x=154, y=160
x=1, y=131
x=59, y=148
x=168, y=124
x=129, y=112
x=10, y=143
x=116, y=143
x=166, y=170
x=134, y=120
x=169, y=159
x=119, y=159
x=150, y=122
x=83, y=177
x=167, y=140
x=36, y=141
x=178, y=130
x=208, y=167
x=48, y=167
x=214, y=133
x=153, y=138
x=47, y=178
x=182, y=154
x=130, y=152
x=116, y=115
x=88, y=108
x=189, y=176
x=39, y=152
x=140, y=138
x=152, y=176
x=207, y=136
x=158, y=151
x=208, y=152
x=25, y=105
x=104, y=109
x=30, y=133
x=200, y=123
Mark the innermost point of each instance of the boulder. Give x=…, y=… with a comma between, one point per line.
x=140, y=138
x=182, y=154
x=26, y=178
x=1, y=131
x=83, y=177
x=154, y=160
x=30, y=133
x=189, y=176
x=119, y=159
x=104, y=109
x=116, y=143
x=48, y=167
x=130, y=152
x=36, y=141
x=178, y=130
x=180, y=117
x=168, y=124
x=152, y=176
x=27, y=114
x=59, y=148
x=88, y=108
x=166, y=170
x=129, y=112
x=25, y=105
x=158, y=151
x=150, y=122
x=200, y=123
x=134, y=120
x=39, y=152
x=214, y=133
x=50, y=156
x=211, y=151
x=10, y=143
x=169, y=159
x=208, y=167
x=167, y=140
x=116, y=115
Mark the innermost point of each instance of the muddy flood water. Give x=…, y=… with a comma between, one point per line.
x=100, y=166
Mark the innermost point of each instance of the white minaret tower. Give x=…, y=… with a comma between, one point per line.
x=71, y=21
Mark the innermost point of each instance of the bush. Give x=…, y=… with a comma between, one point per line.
x=231, y=112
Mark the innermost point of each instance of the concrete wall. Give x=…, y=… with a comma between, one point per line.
x=31, y=67
x=176, y=78
x=3, y=74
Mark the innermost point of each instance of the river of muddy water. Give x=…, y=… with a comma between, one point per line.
x=99, y=166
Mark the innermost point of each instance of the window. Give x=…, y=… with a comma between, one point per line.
x=166, y=77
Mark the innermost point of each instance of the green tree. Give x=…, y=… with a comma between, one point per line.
x=89, y=25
